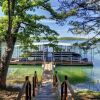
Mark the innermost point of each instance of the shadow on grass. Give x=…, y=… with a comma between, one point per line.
x=10, y=88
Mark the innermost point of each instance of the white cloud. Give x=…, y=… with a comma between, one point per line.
x=47, y=21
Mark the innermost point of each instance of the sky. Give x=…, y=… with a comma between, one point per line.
x=62, y=30
x=1, y=13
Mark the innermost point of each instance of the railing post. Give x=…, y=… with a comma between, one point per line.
x=35, y=79
x=33, y=87
x=62, y=91
x=65, y=88
x=55, y=79
x=28, y=88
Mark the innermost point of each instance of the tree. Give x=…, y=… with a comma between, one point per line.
x=86, y=20
x=19, y=25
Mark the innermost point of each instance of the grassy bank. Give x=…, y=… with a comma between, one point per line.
x=88, y=95
x=17, y=73
x=75, y=75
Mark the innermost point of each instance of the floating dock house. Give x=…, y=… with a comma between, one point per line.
x=69, y=55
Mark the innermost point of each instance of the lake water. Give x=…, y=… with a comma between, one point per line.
x=93, y=73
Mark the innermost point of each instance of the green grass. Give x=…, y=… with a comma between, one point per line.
x=75, y=74
x=18, y=73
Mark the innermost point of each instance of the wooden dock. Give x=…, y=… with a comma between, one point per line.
x=67, y=63
x=47, y=90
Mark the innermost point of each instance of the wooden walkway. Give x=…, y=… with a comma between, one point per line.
x=73, y=63
x=46, y=91
x=51, y=88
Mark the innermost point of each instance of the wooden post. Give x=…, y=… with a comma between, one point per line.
x=28, y=88
x=55, y=79
x=56, y=76
x=35, y=79
x=26, y=92
x=62, y=91
x=33, y=87
x=54, y=82
x=65, y=88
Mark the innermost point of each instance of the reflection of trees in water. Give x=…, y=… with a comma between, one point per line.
x=92, y=83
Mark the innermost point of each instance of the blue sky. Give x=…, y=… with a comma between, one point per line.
x=1, y=14
x=62, y=30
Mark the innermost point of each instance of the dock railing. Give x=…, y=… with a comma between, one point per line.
x=57, y=85
x=63, y=88
x=22, y=91
x=29, y=90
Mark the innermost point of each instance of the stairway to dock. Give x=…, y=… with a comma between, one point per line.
x=50, y=88
x=46, y=91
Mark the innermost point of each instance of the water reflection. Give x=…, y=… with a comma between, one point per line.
x=94, y=80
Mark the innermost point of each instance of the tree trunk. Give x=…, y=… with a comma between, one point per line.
x=5, y=60
x=10, y=39
x=0, y=51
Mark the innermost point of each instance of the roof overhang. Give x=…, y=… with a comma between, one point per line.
x=46, y=43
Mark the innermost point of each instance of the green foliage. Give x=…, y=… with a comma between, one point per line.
x=27, y=25
x=78, y=28
x=61, y=15
x=3, y=27
x=87, y=19
x=24, y=55
x=5, y=6
x=28, y=28
x=18, y=24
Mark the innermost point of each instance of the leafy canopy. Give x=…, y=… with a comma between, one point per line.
x=28, y=27
x=87, y=19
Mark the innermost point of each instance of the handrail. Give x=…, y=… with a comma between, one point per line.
x=22, y=91
x=27, y=86
x=71, y=89
x=61, y=86
x=35, y=83
x=35, y=79
x=67, y=85
x=58, y=87
x=57, y=84
x=23, y=88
